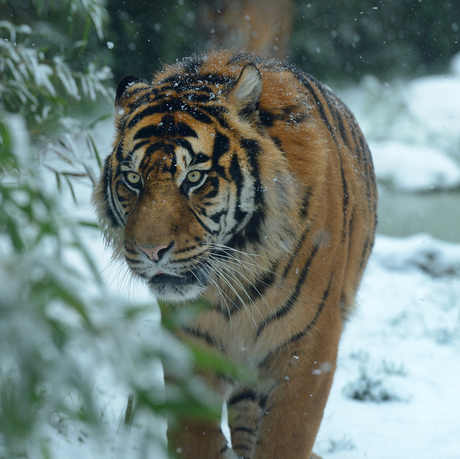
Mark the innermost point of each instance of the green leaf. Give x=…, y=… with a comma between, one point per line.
x=89, y=224
x=95, y=150
x=72, y=191
x=14, y=233
x=70, y=298
x=211, y=360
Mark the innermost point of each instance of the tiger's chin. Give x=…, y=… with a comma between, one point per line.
x=177, y=288
x=177, y=293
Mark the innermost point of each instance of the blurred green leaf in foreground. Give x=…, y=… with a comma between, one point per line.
x=60, y=332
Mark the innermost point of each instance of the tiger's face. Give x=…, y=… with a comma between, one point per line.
x=176, y=195
x=182, y=191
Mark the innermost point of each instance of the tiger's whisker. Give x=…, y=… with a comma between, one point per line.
x=218, y=268
x=233, y=272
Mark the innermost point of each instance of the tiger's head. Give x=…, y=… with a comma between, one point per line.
x=194, y=187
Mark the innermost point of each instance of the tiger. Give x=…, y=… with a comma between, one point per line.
x=243, y=181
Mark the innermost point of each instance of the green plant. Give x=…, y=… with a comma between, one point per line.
x=370, y=388
x=43, y=306
x=343, y=444
x=58, y=326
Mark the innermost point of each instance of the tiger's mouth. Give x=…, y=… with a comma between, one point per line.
x=169, y=279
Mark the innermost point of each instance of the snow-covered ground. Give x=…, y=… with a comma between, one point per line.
x=395, y=390
x=395, y=393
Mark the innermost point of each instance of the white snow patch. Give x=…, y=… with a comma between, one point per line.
x=434, y=101
x=455, y=64
x=413, y=127
x=414, y=168
x=405, y=339
x=420, y=251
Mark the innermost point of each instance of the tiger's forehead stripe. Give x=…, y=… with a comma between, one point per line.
x=171, y=105
x=221, y=147
x=145, y=127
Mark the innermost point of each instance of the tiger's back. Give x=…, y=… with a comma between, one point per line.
x=251, y=185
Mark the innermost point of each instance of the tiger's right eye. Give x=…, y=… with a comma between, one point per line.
x=194, y=176
x=133, y=178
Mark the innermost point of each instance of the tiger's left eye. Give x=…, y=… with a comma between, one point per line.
x=133, y=177
x=194, y=176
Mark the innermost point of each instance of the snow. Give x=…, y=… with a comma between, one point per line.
x=405, y=337
x=420, y=251
x=455, y=64
x=413, y=128
x=395, y=392
x=414, y=168
x=431, y=102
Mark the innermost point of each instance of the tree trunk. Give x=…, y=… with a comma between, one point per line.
x=255, y=25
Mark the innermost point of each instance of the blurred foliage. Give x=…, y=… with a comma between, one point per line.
x=42, y=79
x=335, y=39
x=35, y=370
x=50, y=62
x=57, y=328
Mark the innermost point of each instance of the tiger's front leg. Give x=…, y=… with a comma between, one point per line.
x=293, y=410
x=243, y=419
x=192, y=438
x=199, y=440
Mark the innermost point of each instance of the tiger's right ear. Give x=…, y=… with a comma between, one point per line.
x=246, y=93
x=127, y=87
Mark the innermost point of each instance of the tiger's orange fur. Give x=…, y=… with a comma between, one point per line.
x=249, y=183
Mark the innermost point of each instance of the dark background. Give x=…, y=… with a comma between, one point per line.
x=334, y=39
x=342, y=39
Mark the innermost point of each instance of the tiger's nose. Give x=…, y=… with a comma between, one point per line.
x=156, y=252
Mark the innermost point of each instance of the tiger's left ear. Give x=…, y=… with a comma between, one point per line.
x=245, y=95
